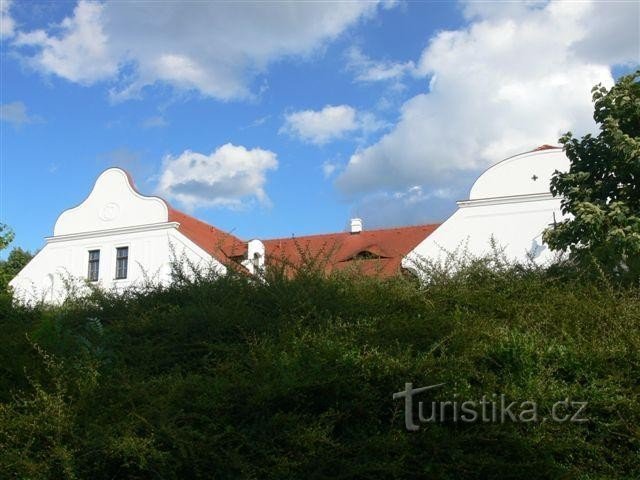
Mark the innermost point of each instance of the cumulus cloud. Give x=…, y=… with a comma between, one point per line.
x=330, y=123
x=321, y=126
x=215, y=48
x=7, y=24
x=614, y=34
x=80, y=53
x=16, y=114
x=506, y=83
x=367, y=70
x=230, y=177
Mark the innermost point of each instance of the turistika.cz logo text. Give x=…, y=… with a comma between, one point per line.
x=489, y=409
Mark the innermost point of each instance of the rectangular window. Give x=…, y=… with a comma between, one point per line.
x=94, y=265
x=122, y=261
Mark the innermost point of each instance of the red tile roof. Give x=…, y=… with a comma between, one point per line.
x=220, y=245
x=370, y=252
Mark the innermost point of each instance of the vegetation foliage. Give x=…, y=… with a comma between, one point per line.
x=16, y=260
x=292, y=377
x=6, y=236
x=9, y=268
x=601, y=191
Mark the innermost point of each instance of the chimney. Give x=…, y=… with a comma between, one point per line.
x=356, y=225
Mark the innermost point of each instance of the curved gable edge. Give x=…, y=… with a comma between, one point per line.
x=489, y=185
x=114, y=202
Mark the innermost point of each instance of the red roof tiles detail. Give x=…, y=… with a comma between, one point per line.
x=371, y=252
x=221, y=245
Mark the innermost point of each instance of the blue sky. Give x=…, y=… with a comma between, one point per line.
x=272, y=119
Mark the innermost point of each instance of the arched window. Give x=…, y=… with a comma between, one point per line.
x=256, y=260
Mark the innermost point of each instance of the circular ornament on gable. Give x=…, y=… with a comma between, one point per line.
x=109, y=212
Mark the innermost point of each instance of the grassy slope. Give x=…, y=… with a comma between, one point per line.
x=228, y=379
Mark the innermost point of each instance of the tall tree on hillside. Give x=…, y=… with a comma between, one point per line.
x=601, y=190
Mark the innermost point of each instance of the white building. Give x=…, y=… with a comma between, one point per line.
x=510, y=202
x=118, y=238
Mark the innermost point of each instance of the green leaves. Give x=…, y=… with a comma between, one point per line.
x=601, y=190
x=293, y=377
x=6, y=236
x=10, y=267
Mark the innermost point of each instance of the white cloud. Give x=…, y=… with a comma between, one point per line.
x=330, y=123
x=611, y=29
x=504, y=84
x=367, y=70
x=80, y=54
x=614, y=33
x=228, y=177
x=318, y=127
x=215, y=48
x=329, y=168
x=16, y=114
x=7, y=24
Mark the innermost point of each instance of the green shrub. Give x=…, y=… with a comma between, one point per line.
x=229, y=377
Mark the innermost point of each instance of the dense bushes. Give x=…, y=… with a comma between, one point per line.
x=292, y=378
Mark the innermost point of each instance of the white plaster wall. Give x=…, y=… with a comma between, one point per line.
x=114, y=215
x=150, y=255
x=505, y=204
x=516, y=228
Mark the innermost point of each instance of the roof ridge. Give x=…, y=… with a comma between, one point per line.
x=173, y=210
x=219, y=243
x=376, y=230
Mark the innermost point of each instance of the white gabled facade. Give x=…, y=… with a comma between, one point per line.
x=114, y=215
x=510, y=202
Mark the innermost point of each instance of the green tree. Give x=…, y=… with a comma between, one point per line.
x=601, y=190
x=6, y=236
x=10, y=267
x=16, y=260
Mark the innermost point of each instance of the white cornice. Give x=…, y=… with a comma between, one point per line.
x=114, y=231
x=533, y=197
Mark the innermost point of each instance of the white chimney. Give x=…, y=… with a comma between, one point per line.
x=356, y=225
x=255, y=256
